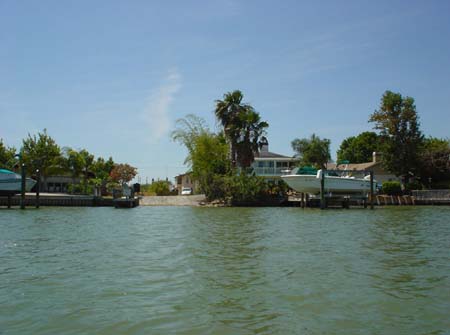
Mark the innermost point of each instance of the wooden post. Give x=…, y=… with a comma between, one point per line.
x=22, y=189
x=322, y=190
x=38, y=185
x=9, y=200
x=371, y=189
x=303, y=200
x=346, y=202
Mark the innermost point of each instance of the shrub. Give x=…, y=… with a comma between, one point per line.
x=248, y=188
x=415, y=185
x=159, y=187
x=80, y=189
x=215, y=187
x=392, y=188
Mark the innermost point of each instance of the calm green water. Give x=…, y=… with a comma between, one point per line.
x=175, y=270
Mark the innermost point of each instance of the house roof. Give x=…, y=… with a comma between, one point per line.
x=268, y=154
x=184, y=174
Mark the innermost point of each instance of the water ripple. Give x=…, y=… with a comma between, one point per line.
x=168, y=270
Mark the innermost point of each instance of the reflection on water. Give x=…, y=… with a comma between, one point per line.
x=402, y=251
x=167, y=270
x=406, y=255
x=228, y=265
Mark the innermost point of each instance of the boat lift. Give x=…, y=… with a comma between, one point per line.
x=344, y=200
x=345, y=203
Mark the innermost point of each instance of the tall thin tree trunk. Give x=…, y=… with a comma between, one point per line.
x=233, y=154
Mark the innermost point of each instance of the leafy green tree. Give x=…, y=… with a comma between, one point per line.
x=207, y=154
x=312, y=151
x=87, y=161
x=72, y=163
x=401, y=138
x=6, y=156
x=359, y=149
x=41, y=152
x=209, y=160
x=102, y=169
x=435, y=161
x=242, y=127
x=187, y=130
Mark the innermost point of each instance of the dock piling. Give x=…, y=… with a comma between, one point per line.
x=322, y=190
x=22, y=188
x=38, y=185
x=371, y=190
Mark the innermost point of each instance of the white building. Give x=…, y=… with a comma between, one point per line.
x=271, y=165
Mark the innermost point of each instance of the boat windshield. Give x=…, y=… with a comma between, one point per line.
x=6, y=171
x=308, y=170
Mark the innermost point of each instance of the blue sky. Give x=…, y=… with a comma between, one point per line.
x=113, y=76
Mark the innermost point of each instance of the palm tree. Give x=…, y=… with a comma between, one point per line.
x=242, y=127
x=227, y=112
x=252, y=131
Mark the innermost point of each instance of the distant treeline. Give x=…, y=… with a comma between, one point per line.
x=41, y=152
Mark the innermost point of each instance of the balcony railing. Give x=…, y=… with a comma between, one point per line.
x=270, y=171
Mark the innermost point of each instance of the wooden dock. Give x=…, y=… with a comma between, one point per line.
x=62, y=200
x=329, y=201
x=126, y=202
x=360, y=201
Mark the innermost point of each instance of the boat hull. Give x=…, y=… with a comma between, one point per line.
x=336, y=185
x=14, y=186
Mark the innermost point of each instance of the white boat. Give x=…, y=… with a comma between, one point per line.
x=310, y=183
x=11, y=182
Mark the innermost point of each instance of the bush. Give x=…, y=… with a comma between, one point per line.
x=415, y=185
x=79, y=189
x=159, y=187
x=277, y=187
x=215, y=187
x=248, y=188
x=392, y=188
x=240, y=189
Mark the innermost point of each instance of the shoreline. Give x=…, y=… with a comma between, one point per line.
x=69, y=200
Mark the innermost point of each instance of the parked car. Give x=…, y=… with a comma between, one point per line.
x=186, y=191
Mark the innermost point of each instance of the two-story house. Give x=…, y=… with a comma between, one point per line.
x=271, y=165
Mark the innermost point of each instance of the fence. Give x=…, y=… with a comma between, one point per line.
x=432, y=197
x=431, y=194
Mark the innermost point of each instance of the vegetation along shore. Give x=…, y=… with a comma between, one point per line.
x=220, y=162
